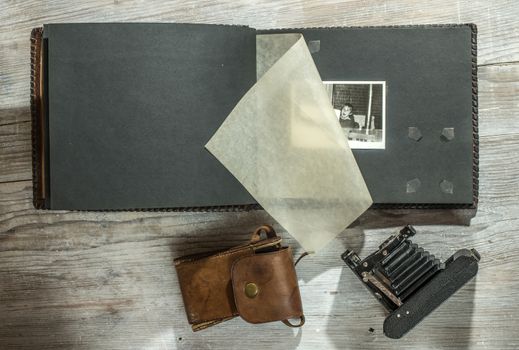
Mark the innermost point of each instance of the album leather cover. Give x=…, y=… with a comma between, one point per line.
x=121, y=112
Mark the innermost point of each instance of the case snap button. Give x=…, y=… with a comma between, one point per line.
x=251, y=290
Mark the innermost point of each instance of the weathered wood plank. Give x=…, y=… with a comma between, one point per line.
x=15, y=144
x=80, y=269
x=499, y=186
x=498, y=27
x=96, y=280
x=498, y=106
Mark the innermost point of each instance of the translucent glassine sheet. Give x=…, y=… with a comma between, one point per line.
x=284, y=143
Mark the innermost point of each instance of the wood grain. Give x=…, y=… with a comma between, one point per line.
x=498, y=27
x=106, y=281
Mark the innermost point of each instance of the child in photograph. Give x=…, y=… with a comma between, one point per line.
x=346, y=118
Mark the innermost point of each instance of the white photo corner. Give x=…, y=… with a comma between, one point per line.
x=360, y=107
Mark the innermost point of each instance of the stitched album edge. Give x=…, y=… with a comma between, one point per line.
x=394, y=26
x=475, y=118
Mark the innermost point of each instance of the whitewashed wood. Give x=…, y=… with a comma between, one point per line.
x=496, y=20
x=106, y=280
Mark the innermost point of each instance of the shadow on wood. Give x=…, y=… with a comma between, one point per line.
x=356, y=311
x=380, y=218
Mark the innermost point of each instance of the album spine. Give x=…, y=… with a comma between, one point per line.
x=37, y=122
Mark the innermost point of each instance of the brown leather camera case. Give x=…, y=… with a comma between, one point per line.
x=256, y=281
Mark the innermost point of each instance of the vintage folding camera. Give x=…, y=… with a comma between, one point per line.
x=409, y=281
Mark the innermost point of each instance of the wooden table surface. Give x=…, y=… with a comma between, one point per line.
x=106, y=280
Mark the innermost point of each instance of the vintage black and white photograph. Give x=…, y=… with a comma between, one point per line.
x=360, y=107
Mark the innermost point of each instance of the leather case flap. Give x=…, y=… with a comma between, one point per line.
x=206, y=286
x=265, y=287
